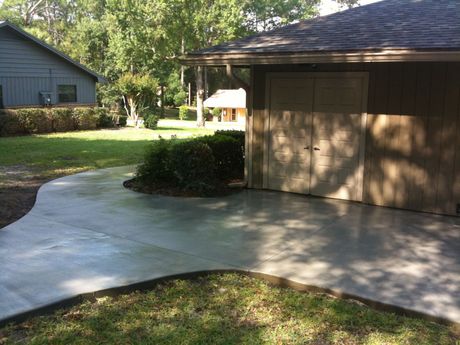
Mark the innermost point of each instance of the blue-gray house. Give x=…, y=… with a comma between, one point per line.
x=32, y=73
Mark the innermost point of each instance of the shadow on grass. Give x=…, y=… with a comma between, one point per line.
x=227, y=309
x=172, y=129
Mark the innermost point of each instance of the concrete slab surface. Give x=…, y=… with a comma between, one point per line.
x=87, y=232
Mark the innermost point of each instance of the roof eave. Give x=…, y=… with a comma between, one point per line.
x=244, y=59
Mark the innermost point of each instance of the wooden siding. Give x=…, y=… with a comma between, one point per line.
x=412, y=153
x=24, y=91
x=27, y=69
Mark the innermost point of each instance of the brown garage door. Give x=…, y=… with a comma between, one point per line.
x=315, y=134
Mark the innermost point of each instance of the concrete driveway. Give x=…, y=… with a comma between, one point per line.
x=87, y=233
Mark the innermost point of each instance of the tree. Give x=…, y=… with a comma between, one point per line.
x=264, y=15
x=21, y=12
x=139, y=93
x=140, y=37
x=203, y=23
x=348, y=3
x=175, y=93
x=48, y=19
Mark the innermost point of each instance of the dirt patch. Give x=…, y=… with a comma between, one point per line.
x=18, y=190
x=223, y=189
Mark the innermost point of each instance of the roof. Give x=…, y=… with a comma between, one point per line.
x=389, y=26
x=227, y=99
x=6, y=24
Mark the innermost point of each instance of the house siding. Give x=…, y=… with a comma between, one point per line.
x=412, y=152
x=26, y=69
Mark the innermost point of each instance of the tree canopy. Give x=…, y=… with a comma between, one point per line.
x=116, y=37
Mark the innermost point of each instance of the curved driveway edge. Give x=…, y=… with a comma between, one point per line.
x=87, y=233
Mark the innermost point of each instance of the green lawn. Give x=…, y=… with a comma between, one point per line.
x=224, y=309
x=59, y=154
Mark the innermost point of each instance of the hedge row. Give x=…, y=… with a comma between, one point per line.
x=47, y=120
x=199, y=165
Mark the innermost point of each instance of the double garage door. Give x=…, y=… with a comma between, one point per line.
x=315, y=134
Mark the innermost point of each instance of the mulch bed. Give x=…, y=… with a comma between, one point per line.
x=18, y=191
x=172, y=190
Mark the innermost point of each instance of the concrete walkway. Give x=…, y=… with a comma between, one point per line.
x=87, y=233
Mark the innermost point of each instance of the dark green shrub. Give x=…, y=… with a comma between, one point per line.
x=85, y=118
x=228, y=156
x=156, y=167
x=150, y=119
x=238, y=135
x=63, y=120
x=151, y=122
x=104, y=118
x=193, y=164
x=46, y=120
x=10, y=124
x=121, y=120
x=35, y=120
x=198, y=165
x=183, y=112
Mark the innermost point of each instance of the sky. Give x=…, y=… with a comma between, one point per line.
x=330, y=6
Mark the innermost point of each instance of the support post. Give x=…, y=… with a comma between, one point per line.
x=206, y=86
x=234, y=81
x=229, y=72
x=199, y=97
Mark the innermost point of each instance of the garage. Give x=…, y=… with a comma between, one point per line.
x=361, y=105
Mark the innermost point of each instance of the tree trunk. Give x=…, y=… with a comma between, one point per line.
x=206, y=88
x=182, y=67
x=199, y=97
x=162, y=102
x=131, y=109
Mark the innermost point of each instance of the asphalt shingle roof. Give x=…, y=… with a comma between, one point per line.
x=389, y=24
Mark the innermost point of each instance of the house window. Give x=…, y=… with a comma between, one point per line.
x=233, y=114
x=67, y=93
x=1, y=98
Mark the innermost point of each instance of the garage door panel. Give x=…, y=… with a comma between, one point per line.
x=336, y=135
x=324, y=174
x=339, y=135
x=291, y=102
x=334, y=162
x=289, y=145
x=336, y=149
x=287, y=158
